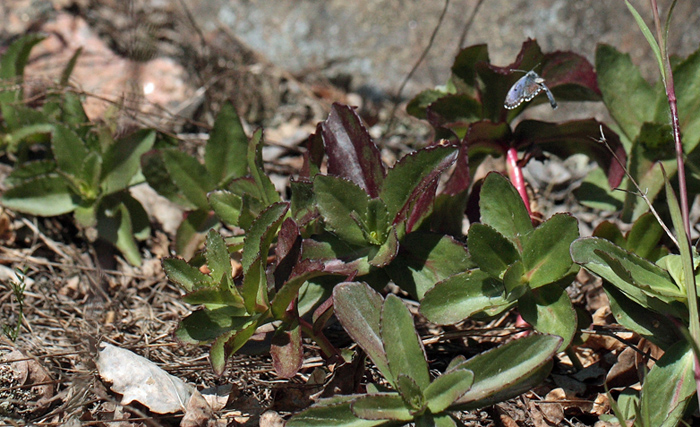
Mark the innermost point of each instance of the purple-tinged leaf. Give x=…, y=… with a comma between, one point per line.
x=358, y=308
x=303, y=271
x=351, y=152
x=287, y=351
x=508, y=370
x=313, y=156
x=570, y=76
x=459, y=178
x=575, y=137
x=287, y=251
x=487, y=138
x=422, y=207
x=337, y=256
x=412, y=175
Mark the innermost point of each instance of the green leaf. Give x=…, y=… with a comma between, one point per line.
x=337, y=199
x=191, y=232
x=122, y=160
x=335, y=411
x=116, y=217
x=410, y=392
x=386, y=253
x=68, y=69
x=68, y=150
x=669, y=387
x=655, y=327
x=226, y=205
x=463, y=295
x=190, y=177
x=218, y=258
x=261, y=233
x=595, y=192
x=638, y=278
x=687, y=87
x=548, y=309
x=257, y=170
x=214, y=297
x=229, y=343
x=403, y=347
x=411, y=176
x=508, y=370
x=649, y=36
x=381, y=406
x=205, y=325
x=503, y=209
x=418, y=105
x=464, y=67
x=226, y=151
x=184, y=275
x=644, y=238
x=44, y=196
x=254, y=289
x=15, y=57
x=447, y=388
x=628, y=97
x=358, y=308
x=490, y=250
x=546, y=250
x=425, y=259
x=159, y=178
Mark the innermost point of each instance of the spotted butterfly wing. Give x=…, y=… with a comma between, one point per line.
x=526, y=88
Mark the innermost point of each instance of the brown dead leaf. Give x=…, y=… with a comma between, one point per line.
x=271, y=419
x=551, y=409
x=198, y=412
x=19, y=378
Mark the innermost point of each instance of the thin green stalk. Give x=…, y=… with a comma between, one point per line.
x=685, y=244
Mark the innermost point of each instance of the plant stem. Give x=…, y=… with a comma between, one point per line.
x=326, y=347
x=515, y=173
x=694, y=318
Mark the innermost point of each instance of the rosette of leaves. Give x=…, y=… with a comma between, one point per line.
x=349, y=222
x=641, y=114
x=76, y=167
x=517, y=264
x=384, y=329
x=373, y=219
x=470, y=109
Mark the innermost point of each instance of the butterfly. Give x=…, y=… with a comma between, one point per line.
x=525, y=89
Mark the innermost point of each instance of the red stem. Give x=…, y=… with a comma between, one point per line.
x=515, y=173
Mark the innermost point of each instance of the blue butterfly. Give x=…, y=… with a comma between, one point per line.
x=525, y=89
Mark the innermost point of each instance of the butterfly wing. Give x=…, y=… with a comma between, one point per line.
x=523, y=90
